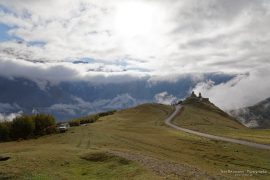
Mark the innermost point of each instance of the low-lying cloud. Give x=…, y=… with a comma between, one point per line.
x=66, y=71
x=243, y=90
x=9, y=117
x=165, y=98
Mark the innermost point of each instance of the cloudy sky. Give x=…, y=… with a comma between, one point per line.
x=123, y=38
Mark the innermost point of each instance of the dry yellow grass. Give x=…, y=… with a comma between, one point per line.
x=200, y=119
x=150, y=150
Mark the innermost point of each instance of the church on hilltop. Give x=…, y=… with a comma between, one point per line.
x=200, y=98
x=193, y=97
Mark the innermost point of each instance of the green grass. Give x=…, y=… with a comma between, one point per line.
x=150, y=149
x=206, y=120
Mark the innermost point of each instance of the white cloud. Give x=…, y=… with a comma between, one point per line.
x=137, y=39
x=161, y=36
x=9, y=117
x=6, y=107
x=58, y=72
x=244, y=90
x=165, y=98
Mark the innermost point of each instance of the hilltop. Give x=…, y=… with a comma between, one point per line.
x=204, y=103
x=200, y=114
x=134, y=144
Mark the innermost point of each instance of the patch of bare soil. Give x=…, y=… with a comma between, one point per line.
x=166, y=169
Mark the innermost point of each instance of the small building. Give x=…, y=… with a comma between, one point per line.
x=193, y=94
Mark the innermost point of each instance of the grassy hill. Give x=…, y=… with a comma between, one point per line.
x=204, y=116
x=130, y=144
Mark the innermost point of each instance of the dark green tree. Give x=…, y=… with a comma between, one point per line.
x=42, y=123
x=22, y=127
x=5, y=131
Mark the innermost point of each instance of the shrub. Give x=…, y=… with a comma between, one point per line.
x=74, y=123
x=22, y=127
x=90, y=118
x=106, y=113
x=51, y=129
x=5, y=131
x=42, y=122
x=94, y=118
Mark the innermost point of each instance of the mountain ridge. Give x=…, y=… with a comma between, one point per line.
x=256, y=116
x=22, y=94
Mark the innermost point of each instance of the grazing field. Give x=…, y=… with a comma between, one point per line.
x=131, y=144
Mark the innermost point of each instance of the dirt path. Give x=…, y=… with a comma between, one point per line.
x=209, y=136
x=84, y=140
x=170, y=170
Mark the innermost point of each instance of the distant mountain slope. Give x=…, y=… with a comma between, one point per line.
x=201, y=115
x=257, y=116
x=79, y=98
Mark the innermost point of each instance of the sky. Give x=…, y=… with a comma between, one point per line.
x=120, y=40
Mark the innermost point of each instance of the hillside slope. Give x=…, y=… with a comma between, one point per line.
x=204, y=116
x=257, y=116
x=130, y=144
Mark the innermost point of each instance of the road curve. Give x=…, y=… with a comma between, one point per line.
x=209, y=136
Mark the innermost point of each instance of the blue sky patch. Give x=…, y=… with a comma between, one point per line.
x=4, y=36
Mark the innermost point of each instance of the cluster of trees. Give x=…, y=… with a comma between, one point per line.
x=106, y=113
x=27, y=126
x=89, y=119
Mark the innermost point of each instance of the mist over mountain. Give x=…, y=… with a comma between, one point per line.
x=77, y=98
x=256, y=116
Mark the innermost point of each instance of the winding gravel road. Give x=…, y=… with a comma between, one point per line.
x=209, y=136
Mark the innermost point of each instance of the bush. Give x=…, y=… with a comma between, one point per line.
x=84, y=120
x=5, y=131
x=22, y=127
x=74, y=123
x=106, y=113
x=51, y=129
x=90, y=118
x=42, y=122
